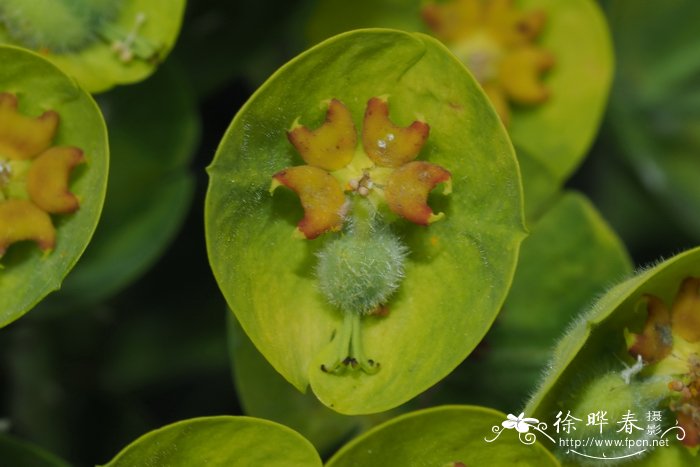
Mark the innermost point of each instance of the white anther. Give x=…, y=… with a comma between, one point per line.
x=381, y=143
x=390, y=137
x=354, y=183
x=363, y=191
x=630, y=371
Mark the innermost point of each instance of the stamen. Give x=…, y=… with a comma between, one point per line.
x=5, y=172
x=124, y=48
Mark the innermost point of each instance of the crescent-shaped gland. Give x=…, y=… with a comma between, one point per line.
x=48, y=176
x=21, y=220
x=22, y=137
x=408, y=187
x=389, y=145
x=321, y=197
x=511, y=27
x=330, y=146
x=520, y=74
x=454, y=20
x=654, y=343
x=685, y=313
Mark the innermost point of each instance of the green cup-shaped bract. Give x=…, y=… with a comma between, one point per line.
x=551, y=138
x=219, y=442
x=92, y=60
x=28, y=274
x=458, y=270
x=442, y=436
x=592, y=368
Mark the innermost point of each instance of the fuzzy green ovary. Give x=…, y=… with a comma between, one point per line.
x=610, y=393
x=358, y=273
x=57, y=25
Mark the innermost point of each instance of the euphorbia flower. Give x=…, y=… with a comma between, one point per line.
x=496, y=42
x=33, y=176
x=359, y=271
x=670, y=344
x=382, y=168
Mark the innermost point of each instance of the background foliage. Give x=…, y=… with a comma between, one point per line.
x=140, y=335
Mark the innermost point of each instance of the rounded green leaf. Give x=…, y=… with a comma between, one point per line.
x=592, y=369
x=28, y=274
x=442, y=436
x=655, y=101
x=153, y=133
x=442, y=308
x=82, y=37
x=550, y=138
x=219, y=442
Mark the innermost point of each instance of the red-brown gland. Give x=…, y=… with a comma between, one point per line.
x=685, y=313
x=48, y=177
x=655, y=341
x=22, y=137
x=408, y=187
x=321, y=197
x=389, y=145
x=332, y=145
x=21, y=220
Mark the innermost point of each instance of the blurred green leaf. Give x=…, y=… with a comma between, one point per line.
x=570, y=257
x=28, y=275
x=219, y=442
x=16, y=453
x=97, y=65
x=655, y=109
x=154, y=129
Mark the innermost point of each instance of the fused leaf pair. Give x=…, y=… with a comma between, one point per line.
x=32, y=169
x=496, y=42
x=386, y=166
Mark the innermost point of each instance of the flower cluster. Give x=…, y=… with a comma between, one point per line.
x=496, y=42
x=34, y=176
x=670, y=345
x=382, y=168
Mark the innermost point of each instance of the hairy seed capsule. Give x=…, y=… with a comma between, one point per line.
x=358, y=274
